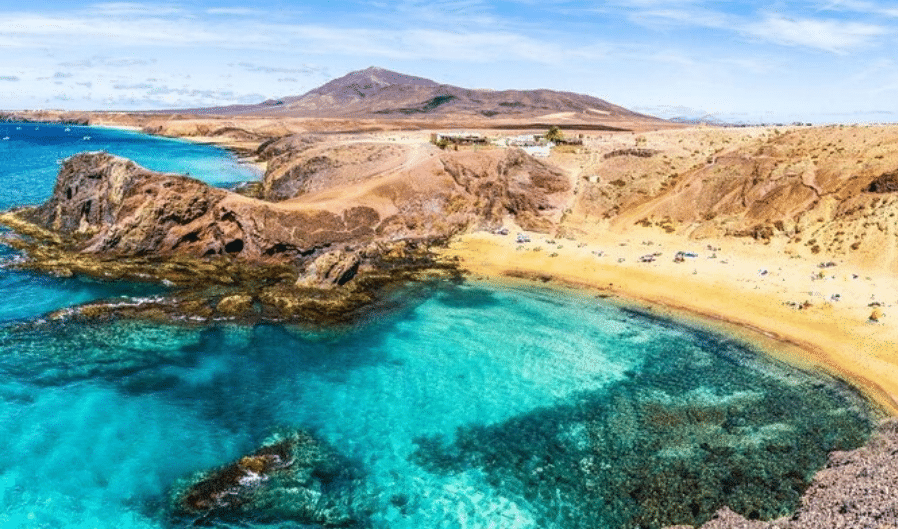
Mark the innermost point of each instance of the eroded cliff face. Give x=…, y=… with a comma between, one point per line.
x=109, y=205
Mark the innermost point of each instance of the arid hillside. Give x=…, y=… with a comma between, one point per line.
x=820, y=190
x=372, y=99
x=413, y=185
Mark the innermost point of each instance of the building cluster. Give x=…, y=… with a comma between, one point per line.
x=533, y=144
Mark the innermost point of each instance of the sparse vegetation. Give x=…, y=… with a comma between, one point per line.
x=554, y=134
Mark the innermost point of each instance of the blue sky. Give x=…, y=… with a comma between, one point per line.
x=819, y=61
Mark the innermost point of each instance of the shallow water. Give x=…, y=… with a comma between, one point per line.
x=461, y=406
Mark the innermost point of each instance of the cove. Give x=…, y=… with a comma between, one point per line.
x=454, y=404
x=460, y=406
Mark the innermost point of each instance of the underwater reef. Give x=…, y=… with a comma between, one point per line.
x=665, y=446
x=292, y=476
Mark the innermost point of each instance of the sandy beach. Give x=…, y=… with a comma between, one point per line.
x=808, y=316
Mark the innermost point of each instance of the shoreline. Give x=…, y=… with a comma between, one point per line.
x=827, y=338
x=239, y=149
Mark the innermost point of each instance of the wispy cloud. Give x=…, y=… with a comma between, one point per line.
x=829, y=35
x=135, y=86
x=232, y=11
x=836, y=35
x=304, y=69
x=9, y=78
x=110, y=62
x=141, y=9
x=860, y=6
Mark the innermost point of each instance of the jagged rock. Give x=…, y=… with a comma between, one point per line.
x=235, y=305
x=293, y=476
x=112, y=219
x=109, y=205
x=248, y=189
x=885, y=183
x=330, y=270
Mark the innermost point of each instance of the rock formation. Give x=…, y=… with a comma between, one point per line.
x=109, y=205
x=110, y=218
x=292, y=477
x=418, y=189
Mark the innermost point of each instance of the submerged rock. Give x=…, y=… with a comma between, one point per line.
x=856, y=490
x=293, y=476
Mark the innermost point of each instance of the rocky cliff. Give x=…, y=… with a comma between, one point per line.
x=417, y=186
x=105, y=204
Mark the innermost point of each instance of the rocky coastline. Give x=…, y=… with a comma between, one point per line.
x=224, y=257
x=266, y=254
x=257, y=256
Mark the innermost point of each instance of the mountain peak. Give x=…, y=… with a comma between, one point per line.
x=362, y=83
x=378, y=92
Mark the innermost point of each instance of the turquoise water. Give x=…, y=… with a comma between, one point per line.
x=462, y=405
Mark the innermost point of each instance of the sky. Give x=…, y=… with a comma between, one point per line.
x=825, y=61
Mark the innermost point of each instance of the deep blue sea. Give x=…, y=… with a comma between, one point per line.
x=460, y=405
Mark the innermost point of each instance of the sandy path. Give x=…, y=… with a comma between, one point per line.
x=756, y=289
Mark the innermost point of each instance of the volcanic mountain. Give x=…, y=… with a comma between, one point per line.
x=379, y=93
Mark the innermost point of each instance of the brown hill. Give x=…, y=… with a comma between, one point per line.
x=379, y=93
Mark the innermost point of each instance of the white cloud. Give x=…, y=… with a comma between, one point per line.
x=829, y=35
x=861, y=6
x=127, y=9
x=234, y=11
x=261, y=68
x=109, y=62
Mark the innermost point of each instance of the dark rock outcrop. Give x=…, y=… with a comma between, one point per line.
x=331, y=269
x=885, y=183
x=292, y=477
